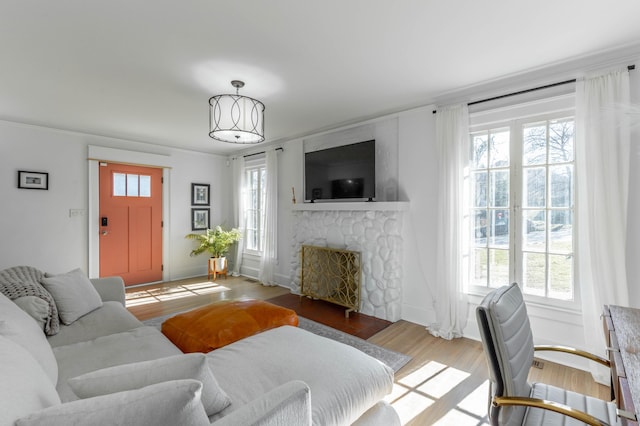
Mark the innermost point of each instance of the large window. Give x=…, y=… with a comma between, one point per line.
x=255, y=175
x=521, y=205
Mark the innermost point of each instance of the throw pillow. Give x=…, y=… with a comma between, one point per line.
x=144, y=373
x=25, y=386
x=169, y=403
x=18, y=326
x=36, y=307
x=73, y=293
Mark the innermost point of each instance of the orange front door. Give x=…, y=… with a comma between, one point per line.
x=131, y=223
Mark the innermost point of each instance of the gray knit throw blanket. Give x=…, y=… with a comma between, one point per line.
x=20, y=281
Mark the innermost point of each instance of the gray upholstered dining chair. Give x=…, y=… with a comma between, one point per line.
x=508, y=345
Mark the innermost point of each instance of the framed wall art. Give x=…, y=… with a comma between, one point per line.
x=200, y=194
x=200, y=219
x=33, y=180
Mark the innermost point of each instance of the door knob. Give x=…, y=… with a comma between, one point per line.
x=104, y=232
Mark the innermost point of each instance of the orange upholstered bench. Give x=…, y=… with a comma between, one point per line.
x=220, y=323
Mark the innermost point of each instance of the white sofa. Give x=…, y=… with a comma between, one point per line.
x=128, y=373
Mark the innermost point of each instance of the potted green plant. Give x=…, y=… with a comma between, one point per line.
x=217, y=242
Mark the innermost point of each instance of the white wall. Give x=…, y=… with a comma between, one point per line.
x=35, y=226
x=418, y=183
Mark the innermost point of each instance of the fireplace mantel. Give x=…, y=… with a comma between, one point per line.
x=397, y=206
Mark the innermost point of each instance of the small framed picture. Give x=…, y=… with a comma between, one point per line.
x=199, y=219
x=200, y=194
x=33, y=180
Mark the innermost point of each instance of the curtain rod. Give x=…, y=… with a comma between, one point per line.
x=261, y=152
x=521, y=92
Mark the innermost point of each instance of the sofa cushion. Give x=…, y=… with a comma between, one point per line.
x=21, y=281
x=18, y=326
x=139, y=344
x=25, y=386
x=36, y=307
x=169, y=403
x=145, y=373
x=288, y=404
x=252, y=366
x=74, y=294
x=108, y=319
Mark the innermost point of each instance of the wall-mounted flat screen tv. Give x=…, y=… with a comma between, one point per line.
x=346, y=172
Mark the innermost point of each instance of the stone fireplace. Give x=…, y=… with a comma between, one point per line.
x=375, y=230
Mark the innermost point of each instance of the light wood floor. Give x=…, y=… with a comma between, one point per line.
x=444, y=383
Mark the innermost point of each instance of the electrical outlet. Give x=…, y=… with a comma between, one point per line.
x=76, y=212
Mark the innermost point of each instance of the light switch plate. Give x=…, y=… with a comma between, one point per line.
x=76, y=212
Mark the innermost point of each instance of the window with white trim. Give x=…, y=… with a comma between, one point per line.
x=521, y=203
x=255, y=177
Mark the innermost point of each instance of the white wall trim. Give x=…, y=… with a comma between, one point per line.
x=102, y=153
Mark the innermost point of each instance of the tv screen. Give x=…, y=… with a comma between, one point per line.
x=341, y=173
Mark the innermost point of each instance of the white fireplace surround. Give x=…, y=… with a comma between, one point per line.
x=372, y=228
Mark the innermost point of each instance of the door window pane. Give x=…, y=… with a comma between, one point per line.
x=132, y=185
x=561, y=276
x=534, y=139
x=480, y=269
x=499, y=195
x=498, y=268
x=499, y=145
x=534, y=275
x=534, y=230
x=561, y=135
x=145, y=186
x=561, y=232
x=480, y=228
x=480, y=189
x=561, y=185
x=535, y=183
x=499, y=229
x=479, y=150
x=119, y=184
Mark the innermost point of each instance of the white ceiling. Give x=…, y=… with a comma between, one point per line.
x=144, y=70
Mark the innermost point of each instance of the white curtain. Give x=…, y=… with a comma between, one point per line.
x=602, y=182
x=269, y=258
x=238, y=210
x=452, y=136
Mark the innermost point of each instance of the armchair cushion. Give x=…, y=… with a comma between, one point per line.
x=73, y=293
x=288, y=404
x=603, y=410
x=110, y=289
x=144, y=373
x=25, y=386
x=18, y=326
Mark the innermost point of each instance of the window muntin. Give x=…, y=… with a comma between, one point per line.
x=523, y=169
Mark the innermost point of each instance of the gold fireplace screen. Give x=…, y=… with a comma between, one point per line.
x=332, y=275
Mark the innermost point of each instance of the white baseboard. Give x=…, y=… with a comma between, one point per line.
x=417, y=315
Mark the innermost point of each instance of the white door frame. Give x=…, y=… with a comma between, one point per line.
x=99, y=153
